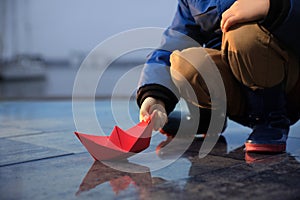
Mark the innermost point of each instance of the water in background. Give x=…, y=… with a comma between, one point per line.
x=62, y=33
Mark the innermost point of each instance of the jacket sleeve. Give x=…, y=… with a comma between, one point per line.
x=155, y=80
x=283, y=22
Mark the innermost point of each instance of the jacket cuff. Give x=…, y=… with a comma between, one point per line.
x=278, y=12
x=159, y=92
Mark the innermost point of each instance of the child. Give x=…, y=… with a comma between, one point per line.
x=255, y=46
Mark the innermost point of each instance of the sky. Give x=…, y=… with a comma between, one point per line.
x=57, y=29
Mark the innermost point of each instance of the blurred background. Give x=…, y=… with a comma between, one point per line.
x=43, y=42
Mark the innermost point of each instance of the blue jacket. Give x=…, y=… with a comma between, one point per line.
x=197, y=23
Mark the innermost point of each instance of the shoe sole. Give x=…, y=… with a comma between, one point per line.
x=265, y=148
x=166, y=133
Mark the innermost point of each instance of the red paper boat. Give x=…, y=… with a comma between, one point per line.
x=120, y=144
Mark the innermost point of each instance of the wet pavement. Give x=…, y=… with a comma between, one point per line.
x=41, y=158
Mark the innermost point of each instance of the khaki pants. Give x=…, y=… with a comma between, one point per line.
x=250, y=57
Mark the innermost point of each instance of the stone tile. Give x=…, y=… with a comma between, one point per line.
x=210, y=164
x=263, y=180
x=294, y=130
x=12, y=152
x=293, y=146
x=76, y=176
x=44, y=160
x=13, y=131
x=71, y=177
x=56, y=178
x=271, y=179
x=215, y=177
x=109, y=183
x=219, y=149
x=64, y=141
x=230, y=143
x=235, y=135
x=41, y=125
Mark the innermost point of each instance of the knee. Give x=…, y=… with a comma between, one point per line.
x=244, y=39
x=182, y=68
x=186, y=77
x=193, y=66
x=254, y=58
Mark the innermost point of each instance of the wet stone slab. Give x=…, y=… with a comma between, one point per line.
x=13, y=152
x=241, y=181
x=56, y=178
x=77, y=176
x=65, y=141
x=42, y=159
x=268, y=180
x=8, y=131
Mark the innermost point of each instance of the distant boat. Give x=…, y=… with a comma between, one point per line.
x=23, y=67
x=120, y=144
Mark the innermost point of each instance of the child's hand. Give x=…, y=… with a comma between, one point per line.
x=244, y=11
x=156, y=108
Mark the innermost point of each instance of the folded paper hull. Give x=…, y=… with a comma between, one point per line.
x=120, y=144
x=101, y=148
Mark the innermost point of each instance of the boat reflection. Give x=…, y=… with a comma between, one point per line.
x=100, y=173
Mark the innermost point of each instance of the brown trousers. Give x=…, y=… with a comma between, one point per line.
x=250, y=57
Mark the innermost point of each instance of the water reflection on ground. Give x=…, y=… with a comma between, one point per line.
x=42, y=159
x=187, y=172
x=101, y=174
